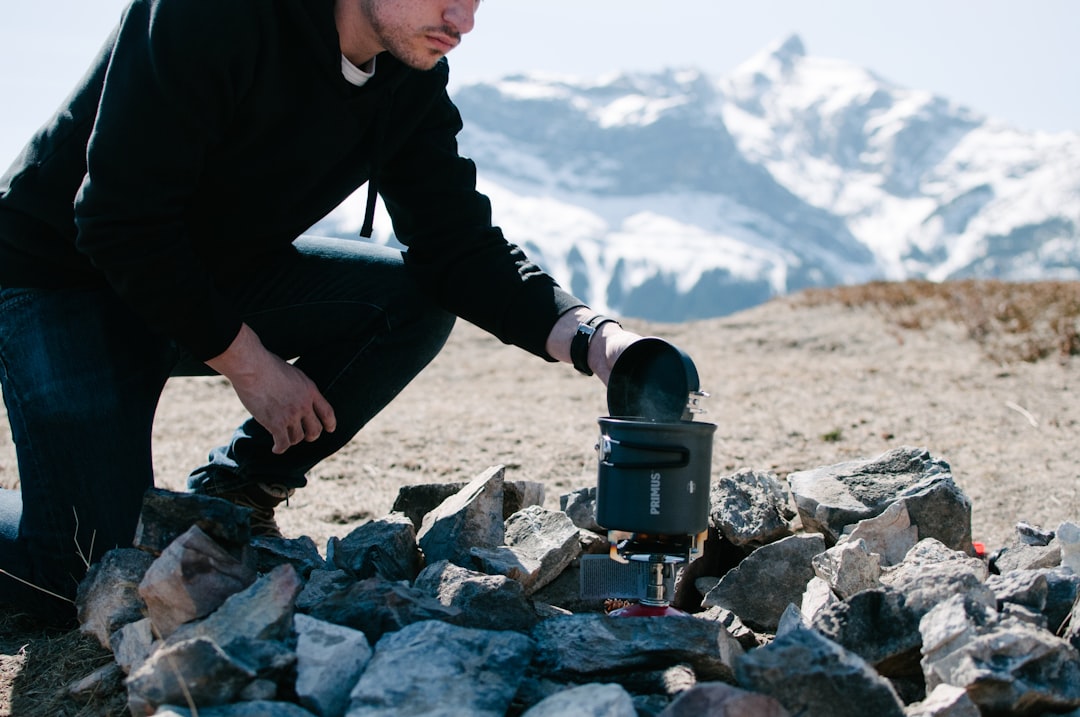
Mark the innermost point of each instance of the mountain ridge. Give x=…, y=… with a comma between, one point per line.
x=678, y=195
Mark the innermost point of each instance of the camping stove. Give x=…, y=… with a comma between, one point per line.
x=654, y=464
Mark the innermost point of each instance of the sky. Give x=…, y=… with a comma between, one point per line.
x=1010, y=60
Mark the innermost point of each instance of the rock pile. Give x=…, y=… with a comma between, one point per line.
x=853, y=589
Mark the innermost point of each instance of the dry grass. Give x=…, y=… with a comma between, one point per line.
x=1011, y=321
x=37, y=665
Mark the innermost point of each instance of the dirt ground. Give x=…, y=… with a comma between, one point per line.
x=794, y=385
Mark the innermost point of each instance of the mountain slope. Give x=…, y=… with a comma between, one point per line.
x=675, y=195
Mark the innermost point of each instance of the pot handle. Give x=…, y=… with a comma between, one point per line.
x=608, y=444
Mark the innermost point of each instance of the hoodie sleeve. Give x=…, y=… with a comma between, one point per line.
x=459, y=256
x=175, y=72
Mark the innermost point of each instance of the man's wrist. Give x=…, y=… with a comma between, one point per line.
x=583, y=337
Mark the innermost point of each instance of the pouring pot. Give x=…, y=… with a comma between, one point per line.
x=653, y=476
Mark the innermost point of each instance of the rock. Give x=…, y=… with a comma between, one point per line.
x=261, y=612
x=890, y=534
x=329, y=661
x=132, y=644
x=848, y=567
x=580, y=507
x=1006, y=666
x=877, y=626
x=831, y=498
x=166, y=515
x=591, y=700
x=1029, y=588
x=257, y=708
x=104, y=680
x=377, y=606
x=385, y=547
x=1068, y=536
x=768, y=580
x=191, y=579
x=196, y=669
x=813, y=676
x=320, y=585
x=471, y=518
x=436, y=668
x=416, y=501
x=932, y=572
x=108, y=597
x=492, y=602
x=945, y=701
x=300, y=552
x=817, y=597
x=540, y=543
x=717, y=699
x=585, y=647
x=750, y=508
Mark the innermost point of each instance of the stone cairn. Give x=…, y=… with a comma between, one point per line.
x=853, y=589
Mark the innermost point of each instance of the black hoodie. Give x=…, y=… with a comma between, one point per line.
x=208, y=134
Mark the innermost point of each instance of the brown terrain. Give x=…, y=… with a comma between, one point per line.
x=982, y=374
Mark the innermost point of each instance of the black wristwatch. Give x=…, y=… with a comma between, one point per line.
x=579, y=345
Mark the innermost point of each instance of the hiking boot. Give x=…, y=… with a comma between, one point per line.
x=262, y=498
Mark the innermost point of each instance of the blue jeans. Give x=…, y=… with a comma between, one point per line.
x=82, y=376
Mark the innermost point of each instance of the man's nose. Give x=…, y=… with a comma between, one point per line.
x=460, y=14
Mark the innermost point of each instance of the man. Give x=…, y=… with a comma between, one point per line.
x=149, y=230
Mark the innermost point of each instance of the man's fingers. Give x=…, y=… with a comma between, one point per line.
x=325, y=413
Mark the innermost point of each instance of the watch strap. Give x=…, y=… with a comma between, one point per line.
x=579, y=345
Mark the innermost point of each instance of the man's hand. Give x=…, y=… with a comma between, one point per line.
x=277, y=394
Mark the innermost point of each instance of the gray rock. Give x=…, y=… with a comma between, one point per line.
x=945, y=701
x=817, y=597
x=849, y=567
x=471, y=518
x=108, y=597
x=132, y=644
x=263, y=611
x=750, y=508
x=890, y=534
x=1063, y=590
x=416, y=501
x=104, y=680
x=385, y=547
x=877, y=626
x=831, y=498
x=931, y=573
x=540, y=543
x=587, y=647
x=717, y=699
x=166, y=515
x=1019, y=555
x=813, y=676
x=1006, y=666
x=492, y=602
x=377, y=606
x=1029, y=588
x=192, y=577
x=768, y=580
x=196, y=669
x=590, y=700
x=580, y=506
x=743, y=635
x=329, y=661
x=1068, y=537
x=300, y=552
x=434, y=668
x=257, y=708
x=1071, y=632
x=321, y=584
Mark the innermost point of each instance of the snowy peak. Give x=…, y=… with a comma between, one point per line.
x=678, y=195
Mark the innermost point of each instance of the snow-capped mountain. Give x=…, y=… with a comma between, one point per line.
x=677, y=195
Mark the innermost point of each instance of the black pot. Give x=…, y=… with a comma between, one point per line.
x=654, y=476
x=652, y=380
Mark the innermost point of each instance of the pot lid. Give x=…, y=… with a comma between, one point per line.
x=652, y=379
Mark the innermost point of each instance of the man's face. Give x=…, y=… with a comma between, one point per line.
x=419, y=32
